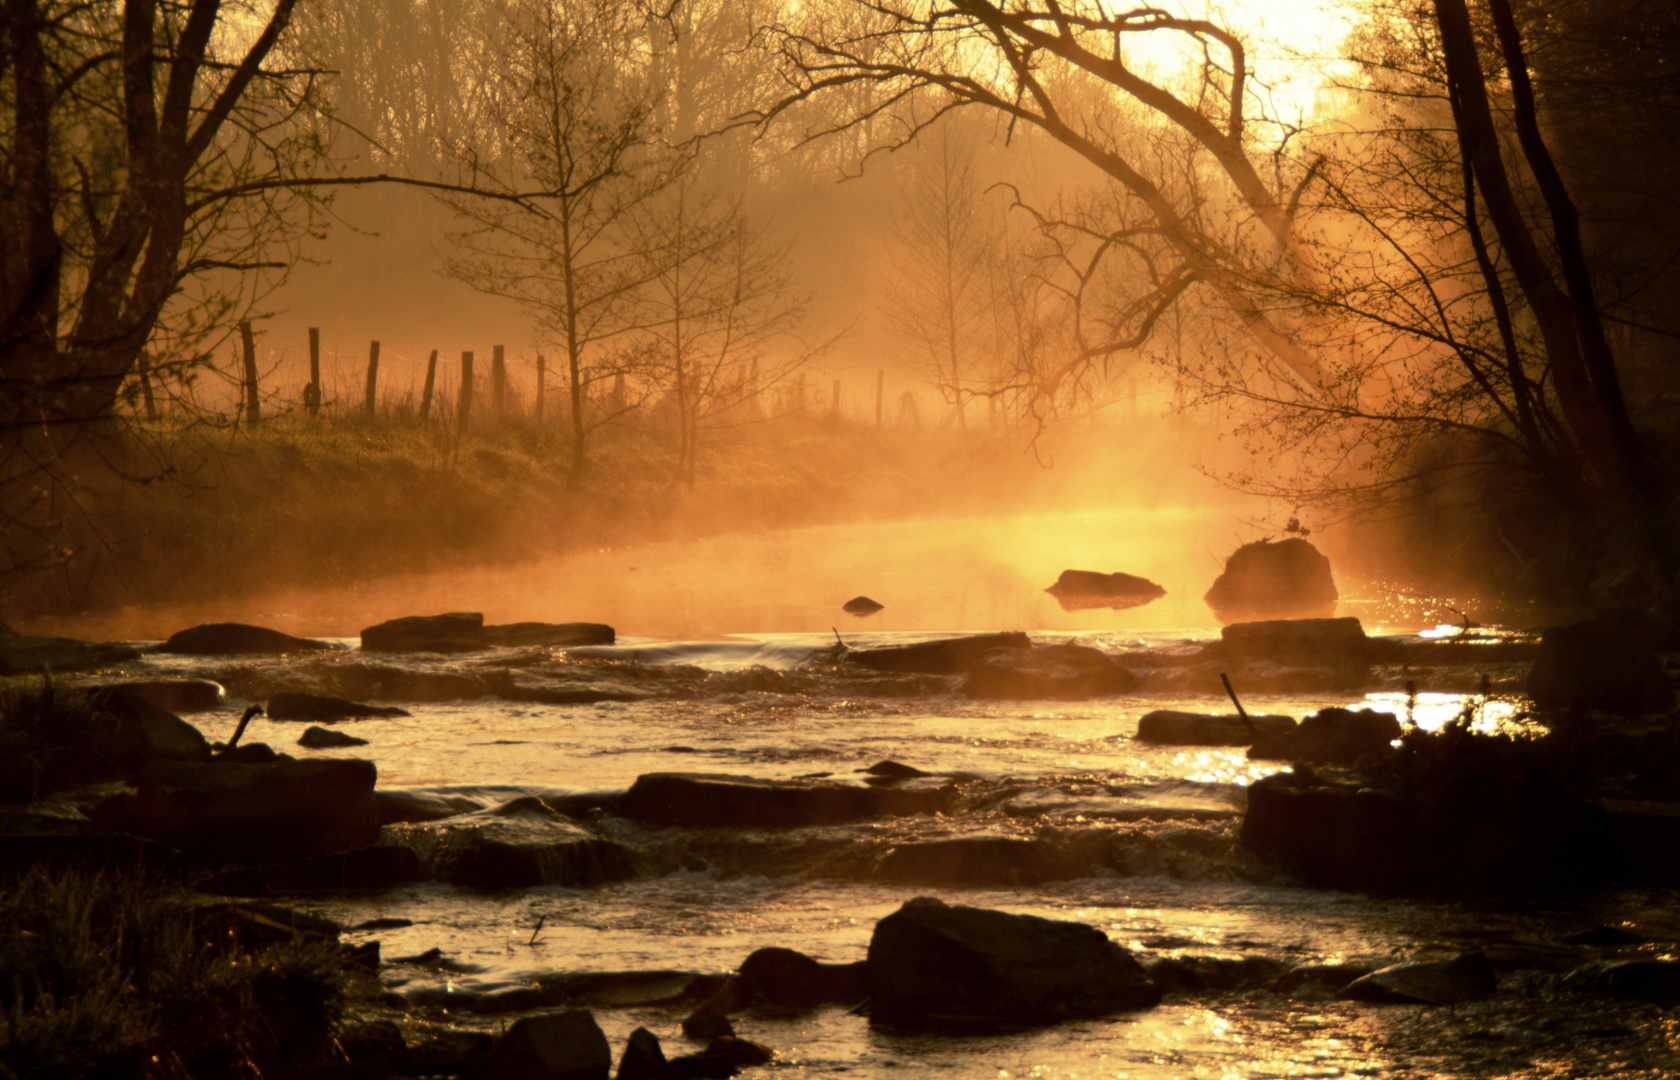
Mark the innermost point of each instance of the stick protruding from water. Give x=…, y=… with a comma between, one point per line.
x=1253, y=732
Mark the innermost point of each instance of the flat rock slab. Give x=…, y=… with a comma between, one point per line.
x=1077, y=590
x=317, y=707
x=933, y=966
x=1258, y=675
x=1295, y=638
x=1169, y=727
x=552, y=635
x=700, y=800
x=516, y=845
x=23, y=654
x=239, y=639
x=1047, y=672
x=464, y=631
x=1467, y=977
x=951, y=656
x=320, y=738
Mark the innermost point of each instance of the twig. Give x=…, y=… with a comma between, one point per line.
x=537, y=930
x=840, y=640
x=1253, y=732
x=254, y=710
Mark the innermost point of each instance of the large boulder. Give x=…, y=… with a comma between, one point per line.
x=936, y=966
x=518, y=844
x=321, y=709
x=700, y=800
x=130, y=732
x=1331, y=737
x=951, y=656
x=1060, y=672
x=239, y=639
x=1606, y=663
x=1288, y=579
x=1169, y=727
x=457, y=631
x=23, y=654
x=249, y=813
x=785, y=980
x=1079, y=589
x=553, y=1046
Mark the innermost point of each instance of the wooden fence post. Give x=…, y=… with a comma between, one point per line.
x=253, y=406
x=498, y=383
x=466, y=391
x=373, y=377
x=312, y=392
x=431, y=381
x=542, y=386
x=880, y=392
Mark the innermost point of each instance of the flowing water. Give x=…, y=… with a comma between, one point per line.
x=730, y=642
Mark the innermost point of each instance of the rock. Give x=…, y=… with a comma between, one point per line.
x=555, y=635
x=176, y=695
x=894, y=770
x=394, y=805
x=629, y=989
x=1318, y=980
x=951, y=656
x=315, y=707
x=446, y=1053
x=1336, y=835
x=1606, y=663
x=460, y=631
x=706, y=1023
x=1331, y=737
x=702, y=1067
x=699, y=800
x=1058, y=672
x=933, y=966
x=399, y=684
x=1642, y=980
x=555, y=1046
x=975, y=861
x=249, y=813
x=239, y=639
x=23, y=654
x=1295, y=639
x=784, y=980
x=1257, y=675
x=519, y=844
x=1264, y=580
x=320, y=738
x=1201, y=974
x=1172, y=728
x=251, y=753
x=1467, y=977
x=860, y=606
x=365, y=869
x=742, y=1053
x=644, y=1058
x=136, y=732
x=1079, y=589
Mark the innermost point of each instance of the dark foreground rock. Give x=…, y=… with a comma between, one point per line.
x=555, y=1046
x=137, y=732
x=1076, y=590
x=951, y=656
x=176, y=695
x=518, y=844
x=644, y=1058
x=249, y=813
x=939, y=967
x=23, y=654
x=1169, y=727
x=1607, y=663
x=1331, y=737
x=464, y=631
x=239, y=639
x=320, y=738
x=1288, y=579
x=701, y=800
x=1058, y=672
x=317, y=708
x=1467, y=977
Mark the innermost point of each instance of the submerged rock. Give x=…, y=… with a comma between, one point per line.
x=1076, y=590
x=176, y=695
x=700, y=800
x=518, y=844
x=1172, y=728
x=860, y=606
x=1606, y=663
x=316, y=707
x=1331, y=737
x=23, y=654
x=555, y=1046
x=239, y=639
x=250, y=813
x=1288, y=579
x=320, y=738
x=951, y=656
x=458, y=631
x=1467, y=977
x=1058, y=672
x=940, y=967
x=785, y=980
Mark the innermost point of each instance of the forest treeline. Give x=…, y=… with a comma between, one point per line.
x=1442, y=301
